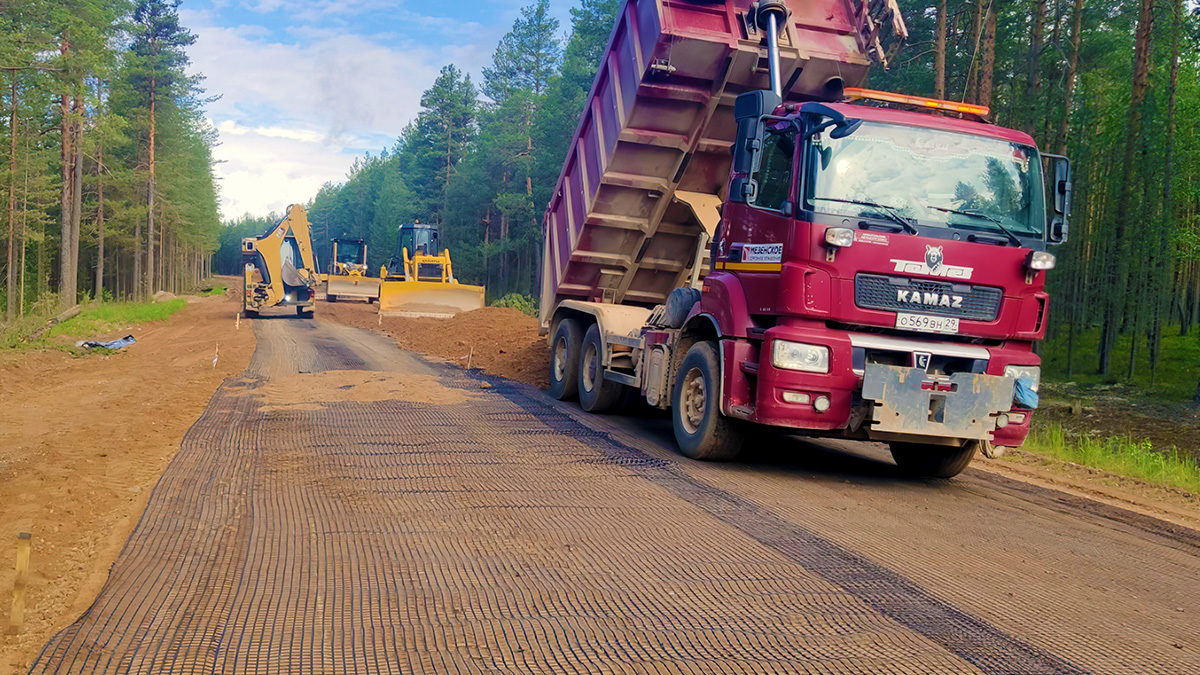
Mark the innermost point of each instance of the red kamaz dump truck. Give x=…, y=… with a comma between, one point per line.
x=741, y=236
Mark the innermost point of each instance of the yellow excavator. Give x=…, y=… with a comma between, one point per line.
x=279, y=268
x=347, y=276
x=419, y=279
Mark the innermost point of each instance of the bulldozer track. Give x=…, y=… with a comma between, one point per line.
x=506, y=534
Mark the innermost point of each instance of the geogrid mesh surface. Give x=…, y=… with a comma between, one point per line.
x=494, y=535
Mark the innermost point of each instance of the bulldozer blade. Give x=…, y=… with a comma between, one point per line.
x=428, y=298
x=341, y=286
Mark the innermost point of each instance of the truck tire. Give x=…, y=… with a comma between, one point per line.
x=933, y=461
x=596, y=395
x=701, y=431
x=564, y=360
x=330, y=298
x=679, y=305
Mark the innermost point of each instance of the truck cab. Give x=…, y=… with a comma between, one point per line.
x=881, y=273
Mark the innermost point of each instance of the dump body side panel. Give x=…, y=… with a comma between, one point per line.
x=660, y=118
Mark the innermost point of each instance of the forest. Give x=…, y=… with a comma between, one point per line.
x=1113, y=85
x=108, y=168
x=107, y=173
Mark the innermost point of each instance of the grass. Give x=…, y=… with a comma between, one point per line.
x=1174, y=379
x=100, y=319
x=522, y=303
x=94, y=321
x=1120, y=455
x=219, y=289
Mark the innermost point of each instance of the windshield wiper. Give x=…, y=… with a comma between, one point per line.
x=1016, y=241
x=886, y=210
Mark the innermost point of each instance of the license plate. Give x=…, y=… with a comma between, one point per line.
x=927, y=324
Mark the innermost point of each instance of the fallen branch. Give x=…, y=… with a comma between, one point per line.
x=56, y=320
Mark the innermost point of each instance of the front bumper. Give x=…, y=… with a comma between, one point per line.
x=968, y=405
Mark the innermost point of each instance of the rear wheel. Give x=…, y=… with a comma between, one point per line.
x=596, y=394
x=933, y=461
x=564, y=360
x=701, y=431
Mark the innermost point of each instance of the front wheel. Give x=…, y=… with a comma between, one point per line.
x=933, y=461
x=701, y=431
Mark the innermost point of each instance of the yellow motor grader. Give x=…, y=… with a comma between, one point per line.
x=347, y=276
x=419, y=279
x=279, y=268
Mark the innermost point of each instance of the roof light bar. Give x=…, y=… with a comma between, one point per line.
x=854, y=94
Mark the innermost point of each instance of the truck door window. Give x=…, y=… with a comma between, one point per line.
x=774, y=175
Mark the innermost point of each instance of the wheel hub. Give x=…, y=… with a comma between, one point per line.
x=694, y=399
x=560, y=359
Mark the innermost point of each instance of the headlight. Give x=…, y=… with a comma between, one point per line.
x=1040, y=260
x=839, y=236
x=1033, y=373
x=800, y=356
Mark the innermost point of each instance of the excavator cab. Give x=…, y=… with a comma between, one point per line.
x=348, y=272
x=419, y=279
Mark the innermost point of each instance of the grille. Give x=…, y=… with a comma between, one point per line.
x=875, y=291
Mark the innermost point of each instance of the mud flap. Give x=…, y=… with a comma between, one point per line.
x=909, y=401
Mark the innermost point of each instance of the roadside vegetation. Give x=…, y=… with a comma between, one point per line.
x=96, y=321
x=518, y=301
x=1171, y=376
x=1121, y=455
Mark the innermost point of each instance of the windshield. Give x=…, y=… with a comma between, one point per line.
x=349, y=252
x=930, y=177
x=419, y=240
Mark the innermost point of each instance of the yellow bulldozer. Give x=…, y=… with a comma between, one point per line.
x=347, y=276
x=279, y=268
x=419, y=279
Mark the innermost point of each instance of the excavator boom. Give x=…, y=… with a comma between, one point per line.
x=279, y=267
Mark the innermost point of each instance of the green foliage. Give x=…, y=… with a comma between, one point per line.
x=518, y=301
x=1119, y=455
x=91, y=66
x=100, y=319
x=1174, y=378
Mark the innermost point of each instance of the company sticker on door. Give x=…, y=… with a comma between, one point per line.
x=762, y=253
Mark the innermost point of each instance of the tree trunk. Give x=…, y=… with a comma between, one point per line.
x=66, y=276
x=10, y=309
x=939, y=60
x=76, y=192
x=987, y=68
x=150, y=188
x=138, y=287
x=100, y=223
x=1118, y=267
x=1072, y=71
x=1033, y=78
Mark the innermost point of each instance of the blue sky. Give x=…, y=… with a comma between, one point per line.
x=305, y=87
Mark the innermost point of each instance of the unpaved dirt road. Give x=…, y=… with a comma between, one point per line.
x=83, y=440
x=344, y=507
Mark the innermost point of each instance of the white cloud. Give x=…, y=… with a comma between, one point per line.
x=292, y=116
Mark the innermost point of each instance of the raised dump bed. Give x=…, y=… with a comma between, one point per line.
x=638, y=195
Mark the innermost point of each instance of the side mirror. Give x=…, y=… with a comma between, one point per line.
x=1060, y=189
x=787, y=208
x=846, y=128
x=749, y=110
